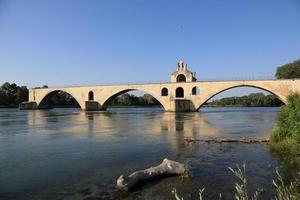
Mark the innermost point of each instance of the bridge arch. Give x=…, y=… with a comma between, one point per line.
x=45, y=102
x=210, y=96
x=181, y=78
x=110, y=98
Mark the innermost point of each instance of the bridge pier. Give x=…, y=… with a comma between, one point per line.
x=182, y=105
x=28, y=105
x=92, y=106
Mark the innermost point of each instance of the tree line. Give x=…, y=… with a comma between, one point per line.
x=61, y=99
x=11, y=95
x=251, y=100
x=130, y=99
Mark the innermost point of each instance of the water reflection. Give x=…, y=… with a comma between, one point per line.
x=173, y=127
x=75, y=148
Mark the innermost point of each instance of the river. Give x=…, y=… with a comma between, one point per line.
x=71, y=154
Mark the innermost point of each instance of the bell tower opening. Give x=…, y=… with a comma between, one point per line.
x=181, y=78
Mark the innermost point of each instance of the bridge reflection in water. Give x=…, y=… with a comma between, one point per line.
x=163, y=127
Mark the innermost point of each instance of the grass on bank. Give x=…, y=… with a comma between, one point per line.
x=285, y=137
x=282, y=191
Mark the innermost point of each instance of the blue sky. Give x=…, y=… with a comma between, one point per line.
x=77, y=42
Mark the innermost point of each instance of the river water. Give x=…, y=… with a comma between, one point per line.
x=71, y=154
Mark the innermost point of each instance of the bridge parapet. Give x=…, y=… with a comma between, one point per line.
x=173, y=96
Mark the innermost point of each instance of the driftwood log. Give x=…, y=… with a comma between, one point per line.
x=166, y=168
x=244, y=141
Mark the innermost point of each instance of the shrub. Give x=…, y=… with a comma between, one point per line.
x=288, y=121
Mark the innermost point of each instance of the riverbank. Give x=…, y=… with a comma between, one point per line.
x=285, y=136
x=5, y=106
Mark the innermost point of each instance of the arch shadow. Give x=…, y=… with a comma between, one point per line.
x=238, y=86
x=47, y=101
x=110, y=99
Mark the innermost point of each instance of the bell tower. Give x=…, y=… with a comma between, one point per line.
x=182, y=74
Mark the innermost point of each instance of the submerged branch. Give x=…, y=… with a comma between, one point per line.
x=243, y=141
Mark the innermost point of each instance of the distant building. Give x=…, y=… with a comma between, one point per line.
x=182, y=74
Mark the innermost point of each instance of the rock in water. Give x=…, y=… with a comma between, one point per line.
x=166, y=168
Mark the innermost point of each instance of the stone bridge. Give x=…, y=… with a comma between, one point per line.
x=183, y=93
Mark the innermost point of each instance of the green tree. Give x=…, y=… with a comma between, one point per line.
x=253, y=99
x=288, y=121
x=130, y=99
x=288, y=71
x=22, y=94
x=3, y=97
x=12, y=95
x=9, y=93
x=63, y=99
